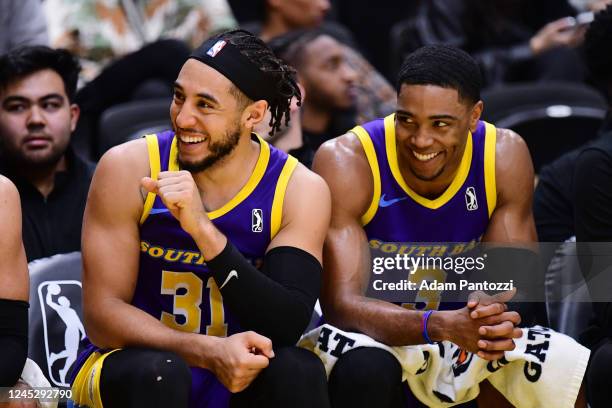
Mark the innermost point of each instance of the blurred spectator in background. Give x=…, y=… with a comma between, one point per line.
x=289, y=139
x=329, y=83
x=593, y=216
x=373, y=37
x=282, y=16
x=589, y=5
x=374, y=96
x=513, y=40
x=130, y=49
x=22, y=22
x=100, y=31
x=37, y=116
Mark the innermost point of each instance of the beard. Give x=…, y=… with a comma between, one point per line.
x=218, y=151
x=40, y=160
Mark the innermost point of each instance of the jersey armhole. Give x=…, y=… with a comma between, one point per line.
x=368, y=147
x=154, y=165
x=279, y=195
x=489, y=166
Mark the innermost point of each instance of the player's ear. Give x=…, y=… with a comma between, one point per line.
x=475, y=115
x=254, y=113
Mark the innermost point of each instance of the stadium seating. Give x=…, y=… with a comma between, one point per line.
x=552, y=117
x=132, y=120
x=568, y=303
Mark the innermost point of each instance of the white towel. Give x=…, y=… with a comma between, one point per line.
x=544, y=370
x=33, y=376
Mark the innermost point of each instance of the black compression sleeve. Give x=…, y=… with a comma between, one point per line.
x=13, y=340
x=277, y=301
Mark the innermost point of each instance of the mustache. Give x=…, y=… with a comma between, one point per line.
x=32, y=135
x=179, y=130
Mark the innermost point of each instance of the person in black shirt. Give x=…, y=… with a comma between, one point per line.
x=37, y=117
x=593, y=218
x=553, y=205
x=512, y=40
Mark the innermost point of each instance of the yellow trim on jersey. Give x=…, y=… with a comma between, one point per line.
x=453, y=188
x=173, y=158
x=279, y=195
x=86, y=387
x=256, y=176
x=154, y=165
x=489, y=166
x=370, y=153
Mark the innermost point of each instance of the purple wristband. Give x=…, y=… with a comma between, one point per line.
x=424, y=321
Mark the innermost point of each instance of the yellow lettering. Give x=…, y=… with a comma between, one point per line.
x=156, y=252
x=188, y=257
x=169, y=254
x=438, y=250
x=388, y=248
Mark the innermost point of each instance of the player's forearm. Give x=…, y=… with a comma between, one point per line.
x=115, y=324
x=383, y=321
x=209, y=239
x=277, y=301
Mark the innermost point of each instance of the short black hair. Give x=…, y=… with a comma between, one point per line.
x=597, y=46
x=443, y=66
x=24, y=61
x=285, y=77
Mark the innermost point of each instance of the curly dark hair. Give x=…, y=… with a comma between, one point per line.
x=283, y=75
x=27, y=60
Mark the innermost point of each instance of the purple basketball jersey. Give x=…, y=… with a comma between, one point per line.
x=397, y=214
x=174, y=284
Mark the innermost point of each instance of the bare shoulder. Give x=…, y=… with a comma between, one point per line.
x=305, y=179
x=8, y=193
x=513, y=165
x=132, y=155
x=343, y=151
x=116, y=182
x=307, y=189
x=10, y=210
x=510, y=145
x=343, y=165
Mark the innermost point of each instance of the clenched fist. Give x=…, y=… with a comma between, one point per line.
x=238, y=359
x=179, y=193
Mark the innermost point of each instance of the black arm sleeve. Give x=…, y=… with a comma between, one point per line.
x=13, y=340
x=276, y=302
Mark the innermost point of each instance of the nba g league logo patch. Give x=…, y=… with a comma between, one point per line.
x=470, y=199
x=257, y=220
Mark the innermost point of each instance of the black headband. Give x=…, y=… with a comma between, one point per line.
x=227, y=59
